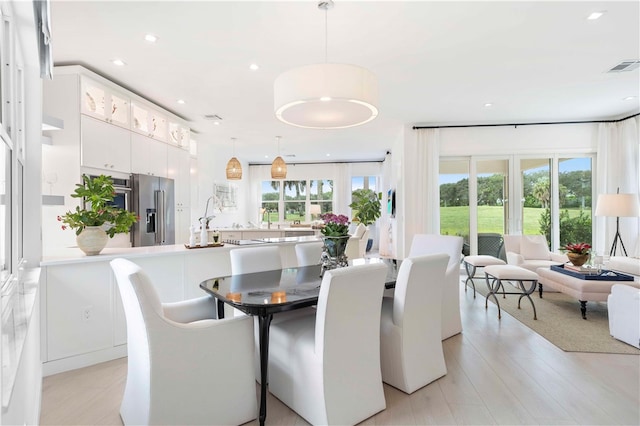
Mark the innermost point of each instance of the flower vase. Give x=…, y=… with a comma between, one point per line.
x=578, y=259
x=92, y=240
x=333, y=252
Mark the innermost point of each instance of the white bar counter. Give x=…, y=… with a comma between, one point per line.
x=82, y=320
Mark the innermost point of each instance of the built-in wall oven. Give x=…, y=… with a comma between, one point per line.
x=122, y=188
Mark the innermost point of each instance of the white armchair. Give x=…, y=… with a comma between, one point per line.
x=624, y=314
x=424, y=244
x=357, y=244
x=410, y=345
x=531, y=252
x=172, y=350
x=326, y=367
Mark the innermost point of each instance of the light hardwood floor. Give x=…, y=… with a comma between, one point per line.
x=499, y=372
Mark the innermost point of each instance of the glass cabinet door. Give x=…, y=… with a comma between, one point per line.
x=104, y=104
x=179, y=135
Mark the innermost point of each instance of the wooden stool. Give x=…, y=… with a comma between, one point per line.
x=473, y=262
x=495, y=274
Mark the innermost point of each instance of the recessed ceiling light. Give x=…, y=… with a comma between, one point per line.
x=151, y=38
x=325, y=98
x=254, y=67
x=629, y=98
x=216, y=123
x=266, y=156
x=118, y=62
x=328, y=155
x=595, y=15
x=181, y=101
x=488, y=105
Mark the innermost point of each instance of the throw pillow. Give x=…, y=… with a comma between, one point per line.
x=534, y=249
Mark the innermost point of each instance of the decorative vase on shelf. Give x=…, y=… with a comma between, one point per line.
x=92, y=240
x=333, y=252
x=578, y=259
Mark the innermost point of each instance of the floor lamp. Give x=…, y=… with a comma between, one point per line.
x=617, y=205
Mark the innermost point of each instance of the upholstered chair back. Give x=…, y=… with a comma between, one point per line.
x=255, y=259
x=308, y=253
x=424, y=244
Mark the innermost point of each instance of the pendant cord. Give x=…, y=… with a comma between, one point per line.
x=326, y=36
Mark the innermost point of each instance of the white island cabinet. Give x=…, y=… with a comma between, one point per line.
x=83, y=321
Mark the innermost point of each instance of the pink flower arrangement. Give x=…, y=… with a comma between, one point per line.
x=335, y=225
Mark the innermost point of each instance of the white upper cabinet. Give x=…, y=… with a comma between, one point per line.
x=104, y=103
x=179, y=135
x=105, y=147
x=149, y=122
x=148, y=156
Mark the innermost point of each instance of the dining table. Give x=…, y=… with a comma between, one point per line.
x=268, y=293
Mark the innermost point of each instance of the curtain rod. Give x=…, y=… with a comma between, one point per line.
x=523, y=124
x=322, y=162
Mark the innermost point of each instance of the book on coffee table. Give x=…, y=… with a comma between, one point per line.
x=584, y=269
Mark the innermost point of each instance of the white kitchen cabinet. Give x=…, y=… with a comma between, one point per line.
x=178, y=169
x=179, y=135
x=79, y=309
x=104, y=103
x=148, y=121
x=148, y=156
x=104, y=146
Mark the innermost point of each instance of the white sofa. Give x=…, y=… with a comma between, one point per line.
x=531, y=252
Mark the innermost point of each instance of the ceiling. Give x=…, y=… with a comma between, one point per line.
x=437, y=63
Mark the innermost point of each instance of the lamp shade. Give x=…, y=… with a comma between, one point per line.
x=278, y=168
x=617, y=205
x=315, y=209
x=326, y=96
x=234, y=169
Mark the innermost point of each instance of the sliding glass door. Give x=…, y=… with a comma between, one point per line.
x=554, y=193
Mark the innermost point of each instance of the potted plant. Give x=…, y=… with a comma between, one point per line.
x=98, y=220
x=366, y=206
x=335, y=236
x=577, y=253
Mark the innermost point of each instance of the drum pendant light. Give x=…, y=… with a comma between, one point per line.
x=326, y=95
x=278, y=167
x=234, y=168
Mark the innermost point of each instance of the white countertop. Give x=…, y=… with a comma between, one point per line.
x=72, y=255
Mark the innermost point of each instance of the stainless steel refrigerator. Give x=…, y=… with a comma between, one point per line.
x=153, y=201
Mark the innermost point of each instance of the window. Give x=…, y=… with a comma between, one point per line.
x=364, y=182
x=295, y=198
x=5, y=211
x=270, y=200
x=291, y=200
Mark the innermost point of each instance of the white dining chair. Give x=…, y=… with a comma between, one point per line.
x=410, y=344
x=309, y=253
x=255, y=259
x=326, y=366
x=177, y=354
x=423, y=244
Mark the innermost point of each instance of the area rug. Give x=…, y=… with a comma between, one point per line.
x=559, y=321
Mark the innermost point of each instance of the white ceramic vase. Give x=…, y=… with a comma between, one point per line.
x=92, y=240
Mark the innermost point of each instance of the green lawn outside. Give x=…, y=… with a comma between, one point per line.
x=455, y=220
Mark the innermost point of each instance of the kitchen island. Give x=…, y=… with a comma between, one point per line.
x=82, y=319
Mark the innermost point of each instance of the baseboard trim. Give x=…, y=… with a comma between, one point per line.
x=84, y=360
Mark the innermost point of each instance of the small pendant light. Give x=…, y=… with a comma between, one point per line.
x=278, y=167
x=234, y=168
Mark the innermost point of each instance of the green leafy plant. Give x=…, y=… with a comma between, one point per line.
x=366, y=205
x=97, y=194
x=335, y=225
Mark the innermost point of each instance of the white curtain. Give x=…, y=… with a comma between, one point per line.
x=618, y=168
x=422, y=159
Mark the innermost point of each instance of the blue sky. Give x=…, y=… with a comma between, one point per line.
x=570, y=165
